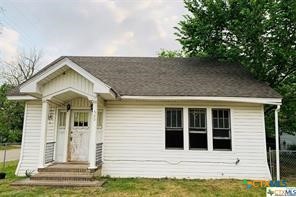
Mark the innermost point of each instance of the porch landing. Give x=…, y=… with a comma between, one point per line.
x=69, y=174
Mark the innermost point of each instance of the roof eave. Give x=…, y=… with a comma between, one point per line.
x=271, y=101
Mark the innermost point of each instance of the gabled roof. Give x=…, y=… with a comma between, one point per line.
x=152, y=76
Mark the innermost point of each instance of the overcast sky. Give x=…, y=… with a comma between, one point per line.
x=93, y=27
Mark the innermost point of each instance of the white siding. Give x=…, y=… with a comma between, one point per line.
x=31, y=139
x=134, y=139
x=51, y=124
x=70, y=79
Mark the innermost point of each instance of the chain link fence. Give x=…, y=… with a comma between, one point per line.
x=287, y=164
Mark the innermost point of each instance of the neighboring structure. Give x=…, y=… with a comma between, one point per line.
x=287, y=140
x=146, y=117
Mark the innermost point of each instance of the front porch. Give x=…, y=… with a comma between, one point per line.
x=71, y=129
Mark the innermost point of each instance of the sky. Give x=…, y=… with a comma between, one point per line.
x=88, y=27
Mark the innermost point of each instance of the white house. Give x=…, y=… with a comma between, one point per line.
x=146, y=117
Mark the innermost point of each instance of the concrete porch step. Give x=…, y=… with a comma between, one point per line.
x=69, y=176
x=67, y=167
x=73, y=162
x=50, y=183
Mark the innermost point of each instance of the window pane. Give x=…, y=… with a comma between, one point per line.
x=76, y=119
x=62, y=119
x=221, y=129
x=198, y=140
x=168, y=118
x=226, y=123
x=81, y=119
x=179, y=118
x=197, y=118
x=222, y=144
x=226, y=114
x=85, y=119
x=220, y=133
x=174, y=118
x=220, y=123
x=174, y=139
x=203, y=119
x=215, y=122
x=191, y=120
x=100, y=119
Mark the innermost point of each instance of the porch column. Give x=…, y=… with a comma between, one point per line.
x=277, y=150
x=43, y=133
x=92, y=135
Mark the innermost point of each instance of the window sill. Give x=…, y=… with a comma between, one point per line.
x=219, y=150
x=198, y=149
x=174, y=148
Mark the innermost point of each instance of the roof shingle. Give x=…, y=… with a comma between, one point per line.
x=149, y=76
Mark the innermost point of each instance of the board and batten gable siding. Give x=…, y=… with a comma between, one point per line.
x=134, y=143
x=70, y=79
x=29, y=157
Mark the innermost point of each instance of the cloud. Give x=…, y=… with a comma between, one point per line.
x=118, y=13
x=98, y=27
x=122, y=41
x=8, y=44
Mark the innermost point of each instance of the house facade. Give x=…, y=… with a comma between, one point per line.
x=146, y=117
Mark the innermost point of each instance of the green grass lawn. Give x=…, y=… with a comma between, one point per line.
x=9, y=147
x=136, y=187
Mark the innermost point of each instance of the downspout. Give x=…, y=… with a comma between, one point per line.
x=277, y=150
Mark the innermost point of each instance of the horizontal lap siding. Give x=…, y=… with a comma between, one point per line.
x=51, y=125
x=31, y=139
x=134, y=145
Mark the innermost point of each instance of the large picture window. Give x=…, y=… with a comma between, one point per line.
x=221, y=129
x=174, y=128
x=197, y=129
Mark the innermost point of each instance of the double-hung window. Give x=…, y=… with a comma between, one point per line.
x=197, y=129
x=174, y=128
x=221, y=129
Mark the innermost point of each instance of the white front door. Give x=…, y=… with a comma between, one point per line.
x=79, y=135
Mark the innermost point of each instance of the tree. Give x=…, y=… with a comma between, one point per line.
x=11, y=117
x=258, y=34
x=171, y=53
x=11, y=112
x=17, y=72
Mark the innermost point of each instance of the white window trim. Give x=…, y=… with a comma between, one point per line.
x=230, y=130
x=183, y=120
x=209, y=124
x=201, y=132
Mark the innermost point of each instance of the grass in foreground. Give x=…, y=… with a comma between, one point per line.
x=136, y=187
x=9, y=147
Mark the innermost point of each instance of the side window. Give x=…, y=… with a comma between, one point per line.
x=80, y=119
x=100, y=119
x=221, y=129
x=174, y=128
x=198, y=129
x=62, y=119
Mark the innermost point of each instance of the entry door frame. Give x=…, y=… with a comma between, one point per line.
x=71, y=125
